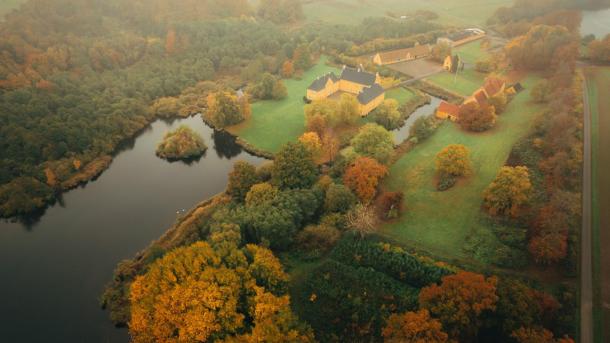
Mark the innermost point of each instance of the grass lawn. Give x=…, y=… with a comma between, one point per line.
x=7, y=5
x=472, y=52
x=451, y=12
x=465, y=83
x=274, y=123
x=400, y=94
x=442, y=222
x=598, y=82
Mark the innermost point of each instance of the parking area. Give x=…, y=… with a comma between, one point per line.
x=417, y=68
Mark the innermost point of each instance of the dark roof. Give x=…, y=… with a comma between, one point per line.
x=517, y=87
x=368, y=94
x=358, y=76
x=458, y=36
x=319, y=83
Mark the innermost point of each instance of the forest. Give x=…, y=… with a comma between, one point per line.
x=292, y=250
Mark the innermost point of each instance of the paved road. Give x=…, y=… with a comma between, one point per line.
x=586, y=270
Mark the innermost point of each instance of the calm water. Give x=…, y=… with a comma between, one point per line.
x=53, y=269
x=596, y=22
x=402, y=132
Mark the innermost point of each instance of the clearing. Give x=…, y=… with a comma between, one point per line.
x=445, y=223
x=468, y=80
x=274, y=123
x=598, y=84
x=417, y=68
x=451, y=12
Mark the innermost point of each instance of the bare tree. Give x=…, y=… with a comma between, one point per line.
x=362, y=219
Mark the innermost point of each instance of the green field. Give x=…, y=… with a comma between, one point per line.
x=465, y=83
x=598, y=82
x=7, y=5
x=451, y=12
x=274, y=123
x=443, y=223
x=468, y=80
x=472, y=52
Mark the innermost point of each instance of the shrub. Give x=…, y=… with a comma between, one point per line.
x=423, y=128
x=339, y=199
x=318, y=237
x=445, y=182
x=389, y=204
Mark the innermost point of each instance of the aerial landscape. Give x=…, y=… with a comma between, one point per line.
x=305, y=171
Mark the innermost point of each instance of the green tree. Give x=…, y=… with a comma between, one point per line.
x=348, y=111
x=387, y=114
x=241, y=179
x=261, y=193
x=339, y=198
x=374, y=141
x=294, y=167
x=509, y=191
x=226, y=109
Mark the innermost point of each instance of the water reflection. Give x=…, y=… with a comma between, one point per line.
x=225, y=145
x=55, y=262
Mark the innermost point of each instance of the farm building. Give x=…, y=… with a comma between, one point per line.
x=514, y=89
x=363, y=84
x=453, y=63
x=448, y=110
x=492, y=87
x=402, y=55
x=461, y=37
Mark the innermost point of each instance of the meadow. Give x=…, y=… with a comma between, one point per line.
x=8, y=5
x=468, y=80
x=450, y=224
x=451, y=12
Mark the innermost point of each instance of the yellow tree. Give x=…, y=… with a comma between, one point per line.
x=205, y=291
x=416, y=327
x=509, y=191
x=453, y=160
x=312, y=143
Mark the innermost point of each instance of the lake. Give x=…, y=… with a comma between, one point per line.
x=596, y=22
x=55, y=266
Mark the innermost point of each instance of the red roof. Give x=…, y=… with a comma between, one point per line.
x=493, y=85
x=449, y=108
x=480, y=96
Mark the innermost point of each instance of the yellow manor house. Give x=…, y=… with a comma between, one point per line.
x=363, y=84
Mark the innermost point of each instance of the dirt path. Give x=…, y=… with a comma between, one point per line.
x=586, y=269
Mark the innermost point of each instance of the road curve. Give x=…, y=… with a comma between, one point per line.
x=586, y=267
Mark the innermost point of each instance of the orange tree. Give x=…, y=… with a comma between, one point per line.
x=414, y=327
x=475, y=117
x=453, y=160
x=208, y=290
x=460, y=301
x=363, y=176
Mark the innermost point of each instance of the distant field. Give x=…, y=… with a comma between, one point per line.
x=7, y=5
x=468, y=80
x=452, y=12
x=472, y=52
x=465, y=83
x=444, y=223
x=598, y=81
x=417, y=68
x=274, y=123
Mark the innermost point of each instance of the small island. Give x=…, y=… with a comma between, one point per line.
x=181, y=144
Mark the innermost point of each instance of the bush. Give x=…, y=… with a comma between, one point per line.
x=423, y=128
x=352, y=302
x=392, y=261
x=318, y=237
x=389, y=205
x=445, y=182
x=339, y=199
